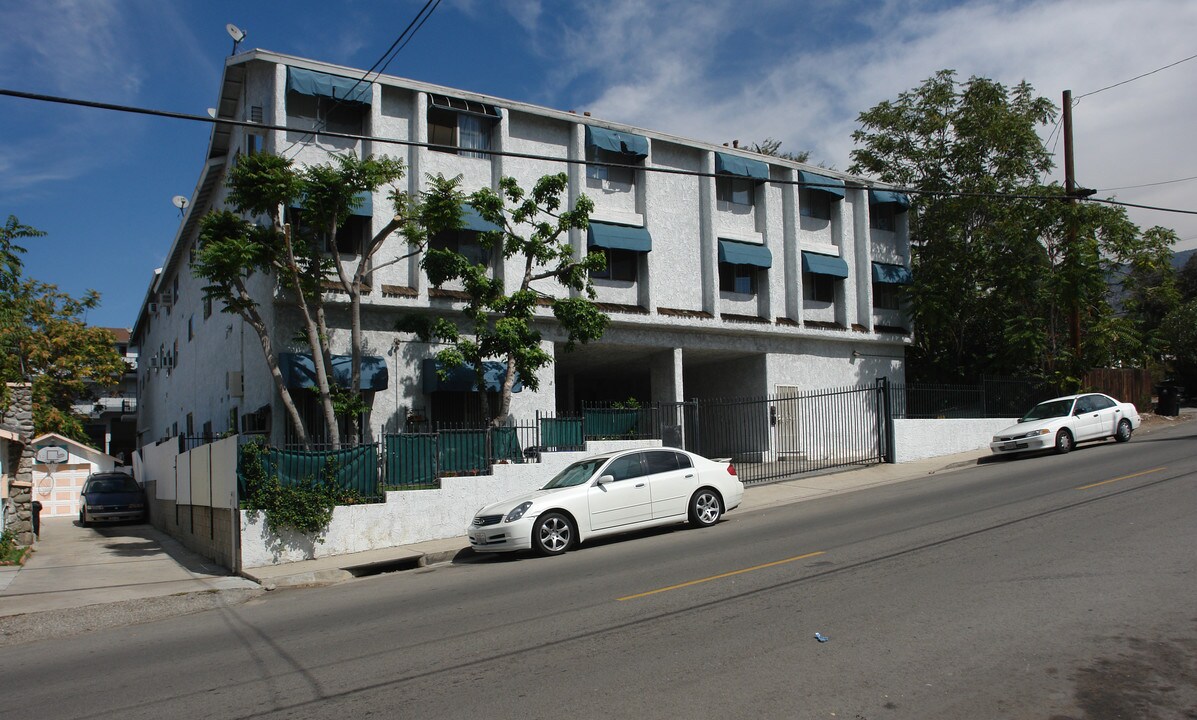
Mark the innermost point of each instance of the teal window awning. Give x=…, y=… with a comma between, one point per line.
x=890, y=197
x=622, y=143
x=619, y=237
x=742, y=253
x=365, y=205
x=318, y=84
x=299, y=372
x=817, y=264
x=821, y=183
x=744, y=167
x=471, y=220
x=891, y=274
x=462, y=378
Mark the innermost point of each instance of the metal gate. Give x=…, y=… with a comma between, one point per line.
x=791, y=433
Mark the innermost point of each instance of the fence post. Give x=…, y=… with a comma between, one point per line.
x=885, y=421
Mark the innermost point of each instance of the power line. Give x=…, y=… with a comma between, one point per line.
x=854, y=185
x=1137, y=77
x=421, y=16
x=1154, y=184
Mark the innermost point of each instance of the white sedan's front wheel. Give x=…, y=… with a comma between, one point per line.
x=552, y=534
x=1124, y=431
x=1063, y=442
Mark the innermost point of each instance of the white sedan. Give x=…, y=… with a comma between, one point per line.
x=1063, y=422
x=607, y=494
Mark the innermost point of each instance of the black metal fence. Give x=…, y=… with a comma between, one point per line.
x=767, y=438
x=989, y=398
x=779, y=436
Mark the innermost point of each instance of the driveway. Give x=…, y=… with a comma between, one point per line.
x=75, y=566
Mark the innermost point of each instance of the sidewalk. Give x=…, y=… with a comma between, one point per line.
x=72, y=567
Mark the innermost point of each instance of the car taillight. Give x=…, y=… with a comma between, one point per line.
x=731, y=469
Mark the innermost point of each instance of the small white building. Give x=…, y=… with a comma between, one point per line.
x=57, y=485
x=730, y=273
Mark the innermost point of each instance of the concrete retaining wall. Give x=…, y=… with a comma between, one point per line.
x=205, y=530
x=410, y=516
x=919, y=439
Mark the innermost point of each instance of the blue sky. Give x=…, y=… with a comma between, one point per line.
x=100, y=183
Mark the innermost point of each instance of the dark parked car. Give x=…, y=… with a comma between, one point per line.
x=111, y=497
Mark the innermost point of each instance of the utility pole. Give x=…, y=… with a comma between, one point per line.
x=1072, y=254
x=1070, y=248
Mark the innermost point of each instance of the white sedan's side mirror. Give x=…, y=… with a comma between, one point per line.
x=605, y=479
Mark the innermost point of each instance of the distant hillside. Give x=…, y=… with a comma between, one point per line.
x=1180, y=258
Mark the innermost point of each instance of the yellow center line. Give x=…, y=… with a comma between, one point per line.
x=720, y=577
x=1124, y=477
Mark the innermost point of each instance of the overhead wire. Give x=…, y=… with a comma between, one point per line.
x=1137, y=77
x=388, y=56
x=533, y=156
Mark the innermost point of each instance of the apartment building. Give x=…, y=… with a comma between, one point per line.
x=730, y=273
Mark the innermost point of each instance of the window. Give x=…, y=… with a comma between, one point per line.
x=821, y=288
x=882, y=217
x=461, y=125
x=233, y=420
x=464, y=242
x=308, y=112
x=816, y=205
x=886, y=296
x=626, y=467
x=190, y=425
x=659, y=461
x=351, y=236
x=1100, y=402
x=735, y=193
x=621, y=264
x=737, y=278
x=253, y=144
x=617, y=178
x=207, y=307
x=190, y=328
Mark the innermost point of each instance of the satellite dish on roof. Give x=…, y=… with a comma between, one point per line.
x=236, y=33
x=211, y=112
x=180, y=202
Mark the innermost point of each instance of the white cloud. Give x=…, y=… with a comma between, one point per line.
x=669, y=66
x=73, y=47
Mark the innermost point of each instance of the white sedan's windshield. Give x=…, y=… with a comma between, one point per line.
x=1049, y=409
x=575, y=474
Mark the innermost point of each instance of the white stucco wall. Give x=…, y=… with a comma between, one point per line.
x=919, y=439
x=410, y=516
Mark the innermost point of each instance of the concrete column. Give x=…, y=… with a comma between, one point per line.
x=707, y=241
x=665, y=376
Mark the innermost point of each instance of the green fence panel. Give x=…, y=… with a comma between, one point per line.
x=610, y=423
x=410, y=459
x=355, y=468
x=463, y=451
x=506, y=444
x=561, y=433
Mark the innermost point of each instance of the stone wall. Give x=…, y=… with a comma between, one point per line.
x=18, y=416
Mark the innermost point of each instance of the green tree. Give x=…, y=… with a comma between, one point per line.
x=1150, y=291
x=299, y=250
x=995, y=278
x=495, y=323
x=44, y=340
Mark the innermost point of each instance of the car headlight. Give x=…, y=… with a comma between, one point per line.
x=1035, y=433
x=518, y=512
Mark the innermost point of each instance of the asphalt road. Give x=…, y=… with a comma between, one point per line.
x=1048, y=587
